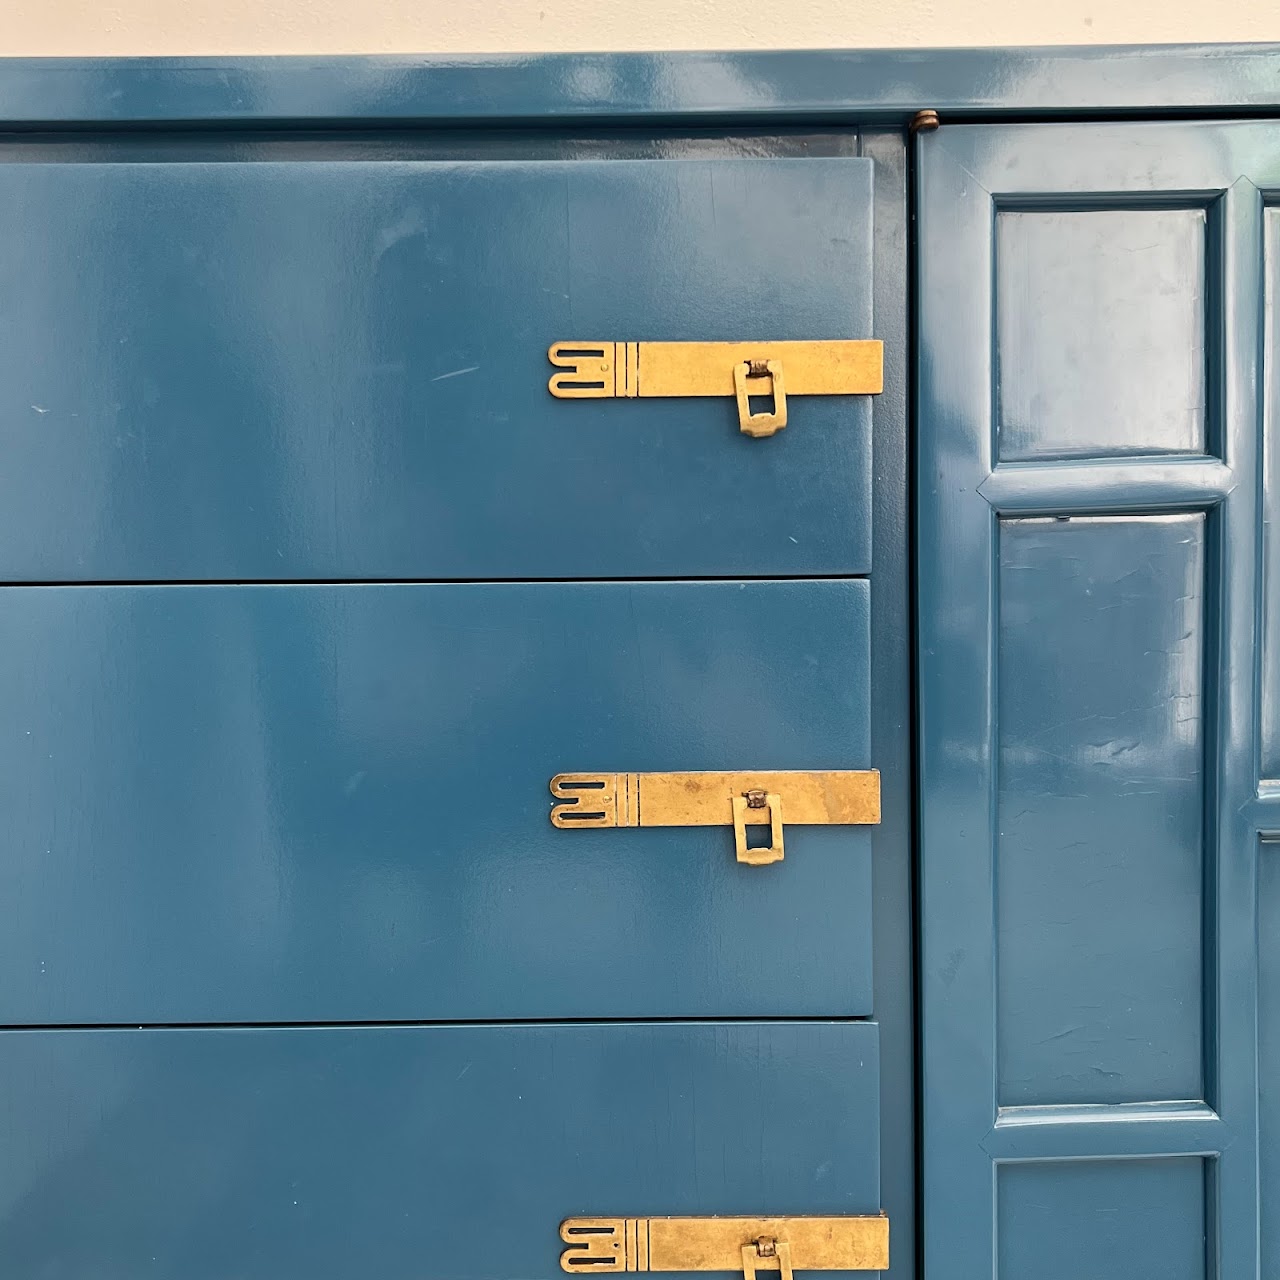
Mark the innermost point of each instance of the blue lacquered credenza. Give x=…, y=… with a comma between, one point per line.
x=640, y=662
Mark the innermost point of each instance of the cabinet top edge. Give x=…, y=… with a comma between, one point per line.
x=876, y=87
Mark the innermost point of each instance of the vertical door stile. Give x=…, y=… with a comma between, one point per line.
x=1090, y=306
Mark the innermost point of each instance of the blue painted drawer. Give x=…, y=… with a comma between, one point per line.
x=337, y=368
x=329, y=803
x=328, y=1153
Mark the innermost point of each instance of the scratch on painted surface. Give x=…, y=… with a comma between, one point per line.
x=455, y=373
x=1066, y=1031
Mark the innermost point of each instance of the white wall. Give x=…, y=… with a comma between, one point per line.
x=99, y=27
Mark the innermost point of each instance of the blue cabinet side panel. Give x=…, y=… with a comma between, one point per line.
x=323, y=1154
x=891, y=729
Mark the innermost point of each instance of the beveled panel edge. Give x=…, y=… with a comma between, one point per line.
x=1140, y=485
x=1094, y=1131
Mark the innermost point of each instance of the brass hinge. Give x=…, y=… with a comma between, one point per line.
x=748, y=1245
x=739, y=800
x=739, y=369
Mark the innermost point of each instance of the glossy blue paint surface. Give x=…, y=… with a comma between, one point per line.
x=1090, y=727
x=326, y=1153
x=1269, y=764
x=1083, y=297
x=872, y=85
x=891, y=727
x=1160, y=387
x=1109, y=1220
x=338, y=369
x=1269, y=1048
x=330, y=803
x=1099, y=860
x=273, y=887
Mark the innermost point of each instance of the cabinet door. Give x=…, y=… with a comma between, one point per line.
x=1090, y=473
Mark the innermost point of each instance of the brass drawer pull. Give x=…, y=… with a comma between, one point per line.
x=760, y=424
x=739, y=800
x=746, y=1245
x=839, y=367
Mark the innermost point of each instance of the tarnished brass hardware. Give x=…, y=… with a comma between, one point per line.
x=760, y=424
x=595, y=370
x=739, y=800
x=837, y=367
x=596, y=800
x=925, y=121
x=767, y=1254
x=748, y=1245
x=758, y=855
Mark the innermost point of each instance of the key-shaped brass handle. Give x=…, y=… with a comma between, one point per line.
x=593, y=370
x=739, y=800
